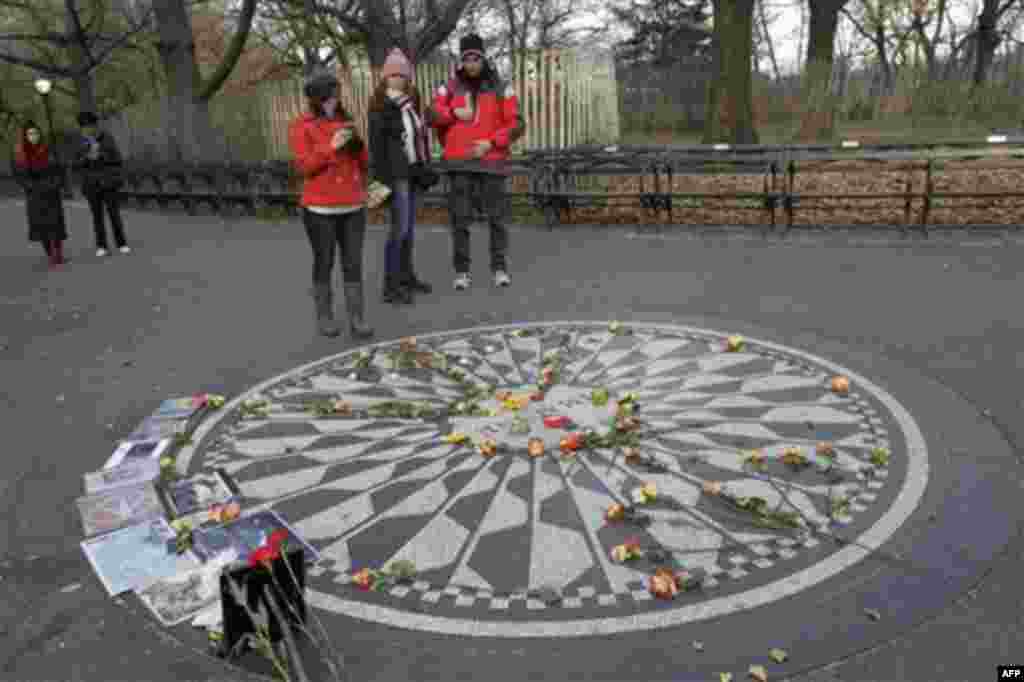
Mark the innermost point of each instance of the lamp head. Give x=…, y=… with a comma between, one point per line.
x=43, y=86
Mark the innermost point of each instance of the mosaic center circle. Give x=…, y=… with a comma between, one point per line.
x=542, y=479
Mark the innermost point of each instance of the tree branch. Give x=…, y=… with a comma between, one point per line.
x=210, y=87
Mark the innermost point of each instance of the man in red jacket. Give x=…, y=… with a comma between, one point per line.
x=477, y=119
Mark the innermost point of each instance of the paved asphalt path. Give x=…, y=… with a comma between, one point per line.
x=208, y=305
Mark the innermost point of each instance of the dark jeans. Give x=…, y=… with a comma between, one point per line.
x=472, y=192
x=112, y=203
x=329, y=232
x=403, y=223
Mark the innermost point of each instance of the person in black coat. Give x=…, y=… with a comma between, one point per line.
x=99, y=161
x=43, y=181
x=399, y=154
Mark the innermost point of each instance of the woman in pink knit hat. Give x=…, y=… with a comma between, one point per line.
x=399, y=154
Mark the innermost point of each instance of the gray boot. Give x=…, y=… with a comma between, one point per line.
x=324, y=298
x=354, y=304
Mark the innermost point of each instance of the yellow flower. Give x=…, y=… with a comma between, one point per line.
x=455, y=438
x=215, y=401
x=756, y=458
x=645, y=494
x=735, y=344
x=616, y=512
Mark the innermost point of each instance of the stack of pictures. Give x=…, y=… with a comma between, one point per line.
x=132, y=546
x=176, y=416
x=127, y=473
x=135, y=556
x=119, y=507
x=191, y=498
x=245, y=534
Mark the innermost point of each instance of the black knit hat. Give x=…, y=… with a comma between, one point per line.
x=471, y=44
x=321, y=83
x=87, y=118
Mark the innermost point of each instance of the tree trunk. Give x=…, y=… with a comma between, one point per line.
x=187, y=125
x=730, y=115
x=987, y=42
x=818, y=121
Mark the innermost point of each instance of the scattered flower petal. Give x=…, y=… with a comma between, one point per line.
x=840, y=385
x=535, y=447
x=616, y=512
x=713, y=488
x=734, y=344
x=778, y=655
x=757, y=672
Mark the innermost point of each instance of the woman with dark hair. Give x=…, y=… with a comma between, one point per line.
x=332, y=158
x=398, y=155
x=42, y=180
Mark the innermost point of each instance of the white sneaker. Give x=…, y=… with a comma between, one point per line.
x=101, y=253
x=501, y=279
x=125, y=249
x=462, y=281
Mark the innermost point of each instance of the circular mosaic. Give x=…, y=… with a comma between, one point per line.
x=571, y=478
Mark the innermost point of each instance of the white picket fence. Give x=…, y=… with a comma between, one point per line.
x=565, y=98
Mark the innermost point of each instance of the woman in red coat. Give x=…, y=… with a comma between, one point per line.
x=42, y=181
x=332, y=158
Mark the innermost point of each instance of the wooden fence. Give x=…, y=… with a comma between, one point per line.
x=565, y=98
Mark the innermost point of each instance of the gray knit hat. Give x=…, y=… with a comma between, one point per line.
x=321, y=83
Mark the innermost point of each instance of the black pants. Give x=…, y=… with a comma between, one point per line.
x=328, y=232
x=112, y=203
x=472, y=192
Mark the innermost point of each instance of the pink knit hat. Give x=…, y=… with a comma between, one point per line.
x=396, y=65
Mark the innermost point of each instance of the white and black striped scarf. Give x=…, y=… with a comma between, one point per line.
x=416, y=149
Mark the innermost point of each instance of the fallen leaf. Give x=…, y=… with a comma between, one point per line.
x=778, y=655
x=758, y=673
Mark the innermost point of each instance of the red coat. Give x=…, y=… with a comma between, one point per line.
x=330, y=178
x=497, y=119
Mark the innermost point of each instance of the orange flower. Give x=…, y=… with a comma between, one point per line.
x=713, y=488
x=535, y=446
x=626, y=423
x=632, y=455
x=840, y=385
x=570, y=443
x=616, y=512
x=663, y=584
x=825, y=449
x=488, y=447
x=502, y=396
x=363, y=579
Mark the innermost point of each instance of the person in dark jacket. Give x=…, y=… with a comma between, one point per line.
x=399, y=152
x=43, y=181
x=99, y=161
x=477, y=118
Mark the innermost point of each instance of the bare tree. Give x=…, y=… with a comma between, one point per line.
x=730, y=115
x=763, y=38
x=418, y=27
x=818, y=120
x=186, y=106
x=67, y=40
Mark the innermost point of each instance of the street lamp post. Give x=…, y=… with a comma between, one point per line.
x=43, y=87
